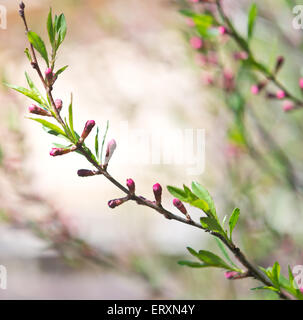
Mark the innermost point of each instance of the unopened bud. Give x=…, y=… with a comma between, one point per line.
x=157, y=189
x=222, y=30
x=37, y=110
x=301, y=83
x=116, y=202
x=59, y=151
x=241, y=55
x=58, y=104
x=85, y=173
x=111, y=147
x=49, y=76
x=280, y=94
x=179, y=205
x=87, y=129
x=287, y=106
x=22, y=5
x=190, y=22
x=131, y=185
x=230, y=274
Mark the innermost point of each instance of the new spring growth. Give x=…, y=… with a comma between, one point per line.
x=179, y=205
x=87, y=129
x=58, y=104
x=111, y=147
x=157, y=189
x=117, y=202
x=130, y=185
x=37, y=110
x=85, y=173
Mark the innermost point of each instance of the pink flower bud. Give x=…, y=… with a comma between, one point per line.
x=222, y=30
x=230, y=274
x=280, y=94
x=157, y=189
x=58, y=104
x=196, y=42
x=254, y=89
x=301, y=290
x=115, y=202
x=85, y=173
x=287, y=106
x=111, y=147
x=49, y=76
x=131, y=185
x=37, y=110
x=194, y=1
x=190, y=22
x=179, y=205
x=301, y=83
x=87, y=129
x=59, y=151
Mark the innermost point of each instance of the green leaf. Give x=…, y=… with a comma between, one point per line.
x=265, y=288
x=226, y=255
x=35, y=90
x=213, y=260
x=276, y=274
x=29, y=93
x=38, y=44
x=211, y=224
x=233, y=221
x=253, y=11
x=203, y=194
x=61, y=70
x=192, y=264
x=61, y=29
x=201, y=204
x=26, y=51
x=178, y=193
x=50, y=126
x=71, y=118
x=97, y=143
x=50, y=28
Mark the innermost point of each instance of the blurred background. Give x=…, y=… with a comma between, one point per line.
x=131, y=61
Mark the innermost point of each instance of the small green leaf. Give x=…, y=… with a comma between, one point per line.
x=178, y=193
x=276, y=274
x=203, y=194
x=226, y=255
x=192, y=264
x=50, y=28
x=265, y=288
x=233, y=221
x=253, y=11
x=201, y=204
x=26, y=51
x=50, y=126
x=29, y=93
x=38, y=44
x=213, y=260
x=35, y=90
x=211, y=224
x=97, y=143
x=61, y=70
x=70, y=117
x=61, y=29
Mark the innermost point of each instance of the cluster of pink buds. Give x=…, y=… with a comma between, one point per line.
x=50, y=77
x=61, y=151
x=37, y=110
x=157, y=189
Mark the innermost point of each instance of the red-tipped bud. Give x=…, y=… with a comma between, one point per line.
x=59, y=151
x=130, y=185
x=301, y=83
x=58, y=104
x=280, y=94
x=50, y=76
x=111, y=147
x=279, y=63
x=254, y=89
x=230, y=274
x=179, y=205
x=85, y=173
x=37, y=110
x=157, y=189
x=116, y=202
x=87, y=129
